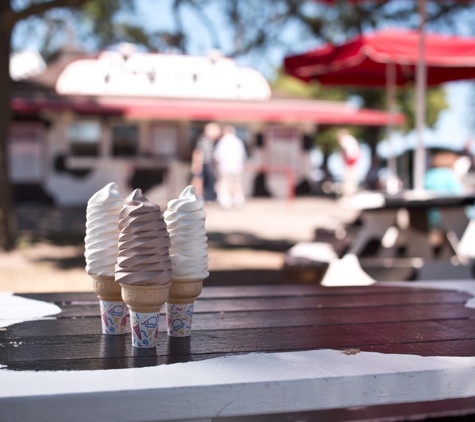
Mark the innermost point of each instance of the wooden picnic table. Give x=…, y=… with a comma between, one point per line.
x=289, y=351
x=377, y=219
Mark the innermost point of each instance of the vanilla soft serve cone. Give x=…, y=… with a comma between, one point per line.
x=185, y=220
x=144, y=268
x=102, y=235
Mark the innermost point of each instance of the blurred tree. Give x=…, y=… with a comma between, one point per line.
x=257, y=25
x=100, y=22
x=11, y=13
x=99, y=17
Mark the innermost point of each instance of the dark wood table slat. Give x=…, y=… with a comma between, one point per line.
x=256, y=319
x=82, y=309
x=244, y=340
x=235, y=292
x=463, y=348
x=265, y=319
x=347, y=301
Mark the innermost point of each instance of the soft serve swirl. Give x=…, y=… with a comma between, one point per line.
x=102, y=231
x=185, y=220
x=144, y=243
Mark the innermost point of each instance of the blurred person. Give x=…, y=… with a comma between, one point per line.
x=350, y=151
x=464, y=166
x=202, y=162
x=230, y=155
x=441, y=177
x=372, y=180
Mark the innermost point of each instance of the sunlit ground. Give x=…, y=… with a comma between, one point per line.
x=50, y=250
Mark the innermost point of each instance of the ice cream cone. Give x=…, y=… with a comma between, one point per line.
x=180, y=304
x=144, y=303
x=102, y=234
x=113, y=308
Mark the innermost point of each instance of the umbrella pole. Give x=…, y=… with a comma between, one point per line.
x=421, y=83
x=393, y=183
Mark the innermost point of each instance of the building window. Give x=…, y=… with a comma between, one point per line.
x=84, y=138
x=242, y=133
x=125, y=140
x=26, y=152
x=164, y=140
x=194, y=133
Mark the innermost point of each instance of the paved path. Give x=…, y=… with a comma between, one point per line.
x=279, y=220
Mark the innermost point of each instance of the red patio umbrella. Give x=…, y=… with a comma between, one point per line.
x=421, y=84
x=387, y=58
x=363, y=60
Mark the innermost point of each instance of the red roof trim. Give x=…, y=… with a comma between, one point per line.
x=291, y=111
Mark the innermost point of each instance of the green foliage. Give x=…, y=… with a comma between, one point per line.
x=100, y=17
x=326, y=139
x=435, y=103
x=405, y=103
x=288, y=86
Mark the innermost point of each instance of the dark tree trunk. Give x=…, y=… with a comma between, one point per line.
x=7, y=218
x=8, y=19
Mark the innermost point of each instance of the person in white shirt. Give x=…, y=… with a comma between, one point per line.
x=350, y=151
x=230, y=155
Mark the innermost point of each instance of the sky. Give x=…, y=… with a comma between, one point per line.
x=452, y=129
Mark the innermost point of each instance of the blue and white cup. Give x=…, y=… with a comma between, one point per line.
x=144, y=329
x=179, y=317
x=113, y=317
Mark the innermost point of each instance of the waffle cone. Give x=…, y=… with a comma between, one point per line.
x=144, y=298
x=185, y=291
x=106, y=288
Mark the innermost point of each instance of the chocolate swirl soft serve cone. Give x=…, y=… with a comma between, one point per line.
x=144, y=268
x=102, y=235
x=185, y=219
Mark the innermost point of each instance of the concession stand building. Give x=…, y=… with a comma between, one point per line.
x=134, y=117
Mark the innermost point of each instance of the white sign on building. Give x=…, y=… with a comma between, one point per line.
x=162, y=75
